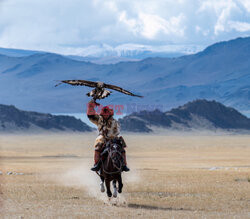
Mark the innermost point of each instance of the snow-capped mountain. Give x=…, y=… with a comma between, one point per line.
x=136, y=50
x=106, y=54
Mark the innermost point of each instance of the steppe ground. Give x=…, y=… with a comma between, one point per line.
x=172, y=176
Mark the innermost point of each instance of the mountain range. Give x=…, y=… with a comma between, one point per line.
x=106, y=54
x=220, y=72
x=198, y=115
x=15, y=120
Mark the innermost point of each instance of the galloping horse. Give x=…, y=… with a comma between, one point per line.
x=111, y=167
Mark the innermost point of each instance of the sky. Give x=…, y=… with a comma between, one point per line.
x=65, y=26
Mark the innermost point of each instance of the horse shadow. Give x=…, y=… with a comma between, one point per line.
x=151, y=207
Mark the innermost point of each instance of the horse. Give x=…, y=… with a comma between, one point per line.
x=111, y=167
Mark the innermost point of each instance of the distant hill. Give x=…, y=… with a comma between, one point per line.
x=109, y=55
x=17, y=52
x=13, y=119
x=196, y=115
x=220, y=72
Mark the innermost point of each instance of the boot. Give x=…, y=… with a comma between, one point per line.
x=122, y=142
x=97, y=165
x=124, y=167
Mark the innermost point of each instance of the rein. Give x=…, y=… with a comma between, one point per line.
x=119, y=169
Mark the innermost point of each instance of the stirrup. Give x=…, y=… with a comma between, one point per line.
x=125, y=168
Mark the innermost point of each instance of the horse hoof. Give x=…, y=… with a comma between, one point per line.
x=102, y=188
x=120, y=191
x=109, y=194
x=115, y=194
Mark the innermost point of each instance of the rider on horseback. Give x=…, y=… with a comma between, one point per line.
x=108, y=129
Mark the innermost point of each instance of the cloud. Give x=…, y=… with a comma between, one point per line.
x=239, y=26
x=221, y=10
x=224, y=11
x=131, y=23
x=61, y=25
x=246, y=4
x=153, y=24
x=223, y=17
x=150, y=25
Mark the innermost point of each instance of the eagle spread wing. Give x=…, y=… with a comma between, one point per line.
x=110, y=86
x=101, y=85
x=79, y=83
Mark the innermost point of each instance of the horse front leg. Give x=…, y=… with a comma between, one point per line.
x=102, y=188
x=107, y=183
x=115, y=189
x=120, y=184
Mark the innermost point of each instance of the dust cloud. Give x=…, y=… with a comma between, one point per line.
x=81, y=176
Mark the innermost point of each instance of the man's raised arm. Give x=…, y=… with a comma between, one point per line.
x=91, y=113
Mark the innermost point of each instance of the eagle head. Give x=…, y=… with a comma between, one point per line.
x=100, y=84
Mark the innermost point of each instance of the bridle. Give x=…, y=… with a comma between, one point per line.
x=112, y=149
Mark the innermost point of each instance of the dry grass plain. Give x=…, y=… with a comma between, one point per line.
x=171, y=177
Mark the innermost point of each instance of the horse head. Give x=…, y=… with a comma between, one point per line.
x=115, y=153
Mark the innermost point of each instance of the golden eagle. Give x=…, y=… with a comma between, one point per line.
x=99, y=92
